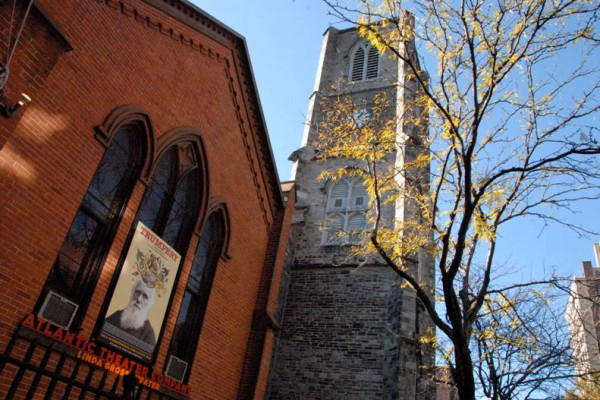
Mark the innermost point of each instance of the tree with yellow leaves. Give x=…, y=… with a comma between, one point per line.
x=509, y=136
x=588, y=389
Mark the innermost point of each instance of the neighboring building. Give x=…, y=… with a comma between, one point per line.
x=348, y=330
x=583, y=315
x=143, y=111
x=445, y=389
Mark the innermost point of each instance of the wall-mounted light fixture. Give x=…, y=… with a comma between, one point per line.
x=10, y=110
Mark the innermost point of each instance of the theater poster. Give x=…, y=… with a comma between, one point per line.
x=141, y=296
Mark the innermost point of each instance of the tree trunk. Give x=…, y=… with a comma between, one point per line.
x=463, y=374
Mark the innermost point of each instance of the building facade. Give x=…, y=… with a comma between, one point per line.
x=141, y=215
x=583, y=316
x=348, y=329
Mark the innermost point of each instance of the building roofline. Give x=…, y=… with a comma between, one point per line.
x=345, y=30
x=183, y=11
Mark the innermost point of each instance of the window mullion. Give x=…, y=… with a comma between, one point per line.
x=346, y=215
x=349, y=195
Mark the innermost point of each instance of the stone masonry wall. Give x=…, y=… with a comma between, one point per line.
x=348, y=329
x=340, y=318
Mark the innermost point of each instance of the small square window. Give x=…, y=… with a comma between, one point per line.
x=338, y=203
x=359, y=201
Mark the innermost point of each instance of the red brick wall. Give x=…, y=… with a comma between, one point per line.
x=36, y=53
x=275, y=285
x=131, y=53
x=261, y=339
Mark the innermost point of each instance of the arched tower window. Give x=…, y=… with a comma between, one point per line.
x=338, y=197
x=364, y=62
x=358, y=195
x=73, y=276
x=195, y=299
x=357, y=222
x=334, y=232
x=345, y=216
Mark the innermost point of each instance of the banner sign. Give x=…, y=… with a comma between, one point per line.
x=141, y=296
x=94, y=353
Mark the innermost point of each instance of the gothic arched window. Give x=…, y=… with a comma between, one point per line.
x=73, y=276
x=195, y=299
x=345, y=215
x=364, y=62
x=139, y=297
x=171, y=202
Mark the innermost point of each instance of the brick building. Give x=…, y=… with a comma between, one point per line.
x=144, y=125
x=583, y=316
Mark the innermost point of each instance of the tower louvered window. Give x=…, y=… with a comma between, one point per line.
x=345, y=218
x=365, y=63
x=372, y=63
x=358, y=64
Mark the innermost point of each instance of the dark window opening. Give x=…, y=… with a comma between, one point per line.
x=372, y=63
x=197, y=291
x=365, y=63
x=358, y=64
x=171, y=202
x=77, y=266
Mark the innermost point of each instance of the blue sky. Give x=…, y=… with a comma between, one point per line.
x=284, y=39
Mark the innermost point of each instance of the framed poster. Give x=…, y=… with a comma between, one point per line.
x=140, y=299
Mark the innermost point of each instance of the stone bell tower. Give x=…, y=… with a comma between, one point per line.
x=349, y=331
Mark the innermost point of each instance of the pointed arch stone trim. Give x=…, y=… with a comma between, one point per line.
x=187, y=136
x=218, y=204
x=367, y=46
x=130, y=114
